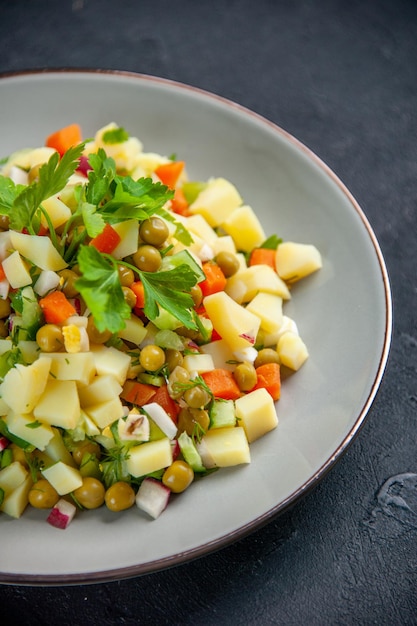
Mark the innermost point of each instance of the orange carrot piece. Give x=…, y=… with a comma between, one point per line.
x=164, y=400
x=137, y=393
x=222, y=384
x=179, y=203
x=107, y=240
x=262, y=256
x=56, y=307
x=169, y=173
x=269, y=377
x=139, y=291
x=215, y=279
x=64, y=138
x=2, y=273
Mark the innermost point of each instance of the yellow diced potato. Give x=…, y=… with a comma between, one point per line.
x=292, y=350
x=16, y=271
x=224, y=244
x=245, y=284
x=34, y=432
x=101, y=389
x=129, y=233
x=268, y=307
x=79, y=366
x=57, y=450
x=245, y=228
x=198, y=363
x=224, y=447
x=63, y=478
x=104, y=413
x=134, y=330
x=256, y=413
x=11, y=477
x=235, y=324
x=58, y=212
x=109, y=360
x=198, y=225
x=216, y=201
x=38, y=250
x=149, y=457
x=296, y=260
x=23, y=385
x=30, y=350
x=17, y=501
x=59, y=404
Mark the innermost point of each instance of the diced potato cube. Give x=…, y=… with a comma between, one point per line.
x=104, y=413
x=16, y=271
x=59, y=404
x=198, y=363
x=109, y=360
x=235, y=324
x=17, y=501
x=46, y=281
x=297, y=260
x=256, y=413
x=199, y=226
x=134, y=330
x=79, y=366
x=23, y=385
x=38, y=250
x=101, y=389
x=128, y=232
x=245, y=228
x=30, y=350
x=292, y=350
x=217, y=201
x=268, y=307
x=149, y=457
x=224, y=244
x=58, y=212
x=57, y=450
x=62, y=477
x=245, y=284
x=224, y=447
x=30, y=430
x=12, y=476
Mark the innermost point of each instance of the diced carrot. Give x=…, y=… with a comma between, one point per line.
x=2, y=273
x=262, y=256
x=269, y=377
x=56, y=307
x=169, y=173
x=137, y=393
x=107, y=240
x=222, y=384
x=215, y=279
x=179, y=203
x=139, y=291
x=164, y=400
x=64, y=138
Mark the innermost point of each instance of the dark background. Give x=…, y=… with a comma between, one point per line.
x=341, y=76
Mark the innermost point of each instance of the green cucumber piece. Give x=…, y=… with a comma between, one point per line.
x=190, y=453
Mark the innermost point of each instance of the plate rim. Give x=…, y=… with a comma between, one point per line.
x=167, y=562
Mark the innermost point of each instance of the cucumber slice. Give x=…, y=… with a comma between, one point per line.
x=189, y=452
x=222, y=414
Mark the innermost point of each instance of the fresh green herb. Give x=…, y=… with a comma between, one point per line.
x=6, y=458
x=33, y=425
x=100, y=177
x=113, y=466
x=115, y=135
x=271, y=243
x=1, y=496
x=35, y=465
x=198, y=381
x=100, y=287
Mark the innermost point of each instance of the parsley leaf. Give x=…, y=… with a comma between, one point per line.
x=53, y=176
x=115, y=135
x=100, y=177
x=8, y=194
x=271, y=243
x=135, y=199
x=100, y=287
x=159, y=290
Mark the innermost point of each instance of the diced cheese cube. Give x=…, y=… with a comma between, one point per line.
x=256, y=413
x=62, y=477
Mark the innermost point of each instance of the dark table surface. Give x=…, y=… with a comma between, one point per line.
x=341, y=76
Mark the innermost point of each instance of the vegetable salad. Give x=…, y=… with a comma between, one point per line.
x=142, y=331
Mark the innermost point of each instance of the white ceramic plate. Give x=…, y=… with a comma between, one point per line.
x=343, y=313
